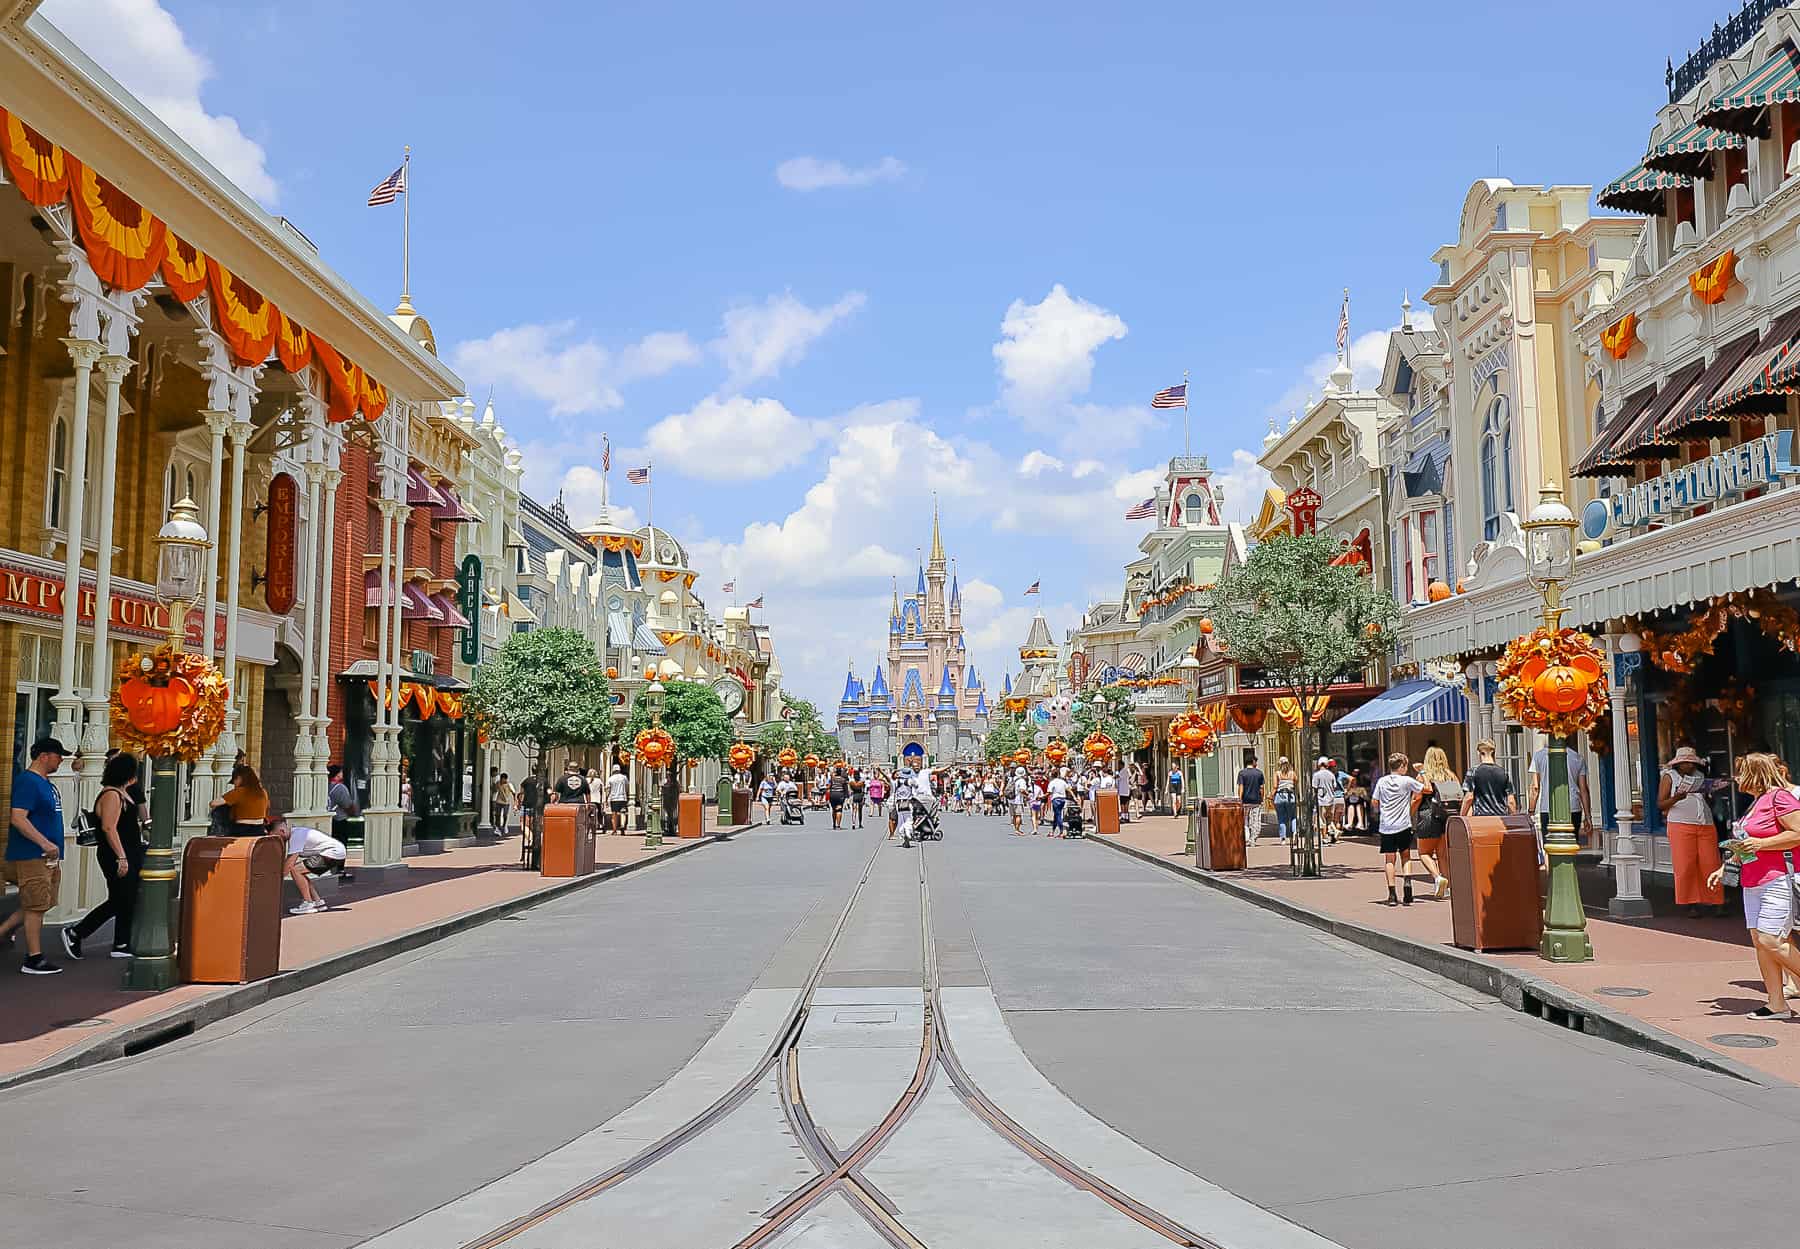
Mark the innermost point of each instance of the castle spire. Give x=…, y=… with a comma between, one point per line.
x=937, y=538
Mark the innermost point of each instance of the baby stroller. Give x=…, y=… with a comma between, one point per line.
x=1072, y=822
x=925, y=825
x=791, y=810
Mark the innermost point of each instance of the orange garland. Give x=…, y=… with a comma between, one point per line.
x=124, y=243
x=184, y=270
x=1681, y=652
x=39, y=168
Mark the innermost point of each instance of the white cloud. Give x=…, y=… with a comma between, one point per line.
x=580, y=490
x=1036, y=462
x=759, y=340
x=1244, y=484
x=140, y=44
x=1086, y=468
x=1046, y=350
x=809, y=173
x=734, y=438
x=1368, y=353
x=572, y=376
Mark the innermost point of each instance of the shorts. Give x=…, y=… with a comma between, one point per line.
x=618, y=808
x=837, y=804
x=39, y=882
x=1769, y=907
x=321, y=864
x=1396, y=843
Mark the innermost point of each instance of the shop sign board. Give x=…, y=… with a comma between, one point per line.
x=468, y=589
x=282, y=547
x=1252, y=678
x=1713, y=479
x=32, y=595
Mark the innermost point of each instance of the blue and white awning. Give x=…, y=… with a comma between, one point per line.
x=1410, y=702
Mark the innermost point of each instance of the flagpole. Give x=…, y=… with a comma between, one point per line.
x=1187, y=441
x=605, y=468
x=406, y=230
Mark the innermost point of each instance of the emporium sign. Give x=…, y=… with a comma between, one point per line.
x=1752, y=465
x=35, y=596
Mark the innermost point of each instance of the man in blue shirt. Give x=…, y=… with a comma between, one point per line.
x=34, y=846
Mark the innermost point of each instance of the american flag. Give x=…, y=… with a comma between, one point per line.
x=638, y=476
x=1343, y=336
x=730, y=587
x=392, y=187
x=1143, y=511
x=755, y=602
x=1173, y=397
x=1033, y=587
x=605, y=454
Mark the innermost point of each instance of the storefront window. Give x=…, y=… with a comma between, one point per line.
x=1496, y=464
x=40, y=664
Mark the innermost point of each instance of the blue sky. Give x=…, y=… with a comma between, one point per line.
x=820, y=260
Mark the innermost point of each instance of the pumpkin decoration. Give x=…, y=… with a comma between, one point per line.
x=1021, y=756
x=1437, y=592
x=649, y=674
x=740, y=756
x=811, y=761
x=1553, y=681
x=1206, y=624
x=1190, y=734
x=612, y=674
x=1056, y=752
x=655, y=748
x=788, y=757
x=1097, y=747
x=168, y=703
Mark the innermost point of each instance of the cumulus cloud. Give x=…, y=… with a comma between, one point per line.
x=1046, y=350
x=573, y=376
x=733, y=438
x=1244, y=484
x=1036, y=462
x=809, y=173
x=580, y=488
x=139, y=43
x=759, y=340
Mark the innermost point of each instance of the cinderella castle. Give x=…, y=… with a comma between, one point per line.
x=925, y=701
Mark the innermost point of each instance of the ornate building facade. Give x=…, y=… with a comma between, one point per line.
x=925, y=701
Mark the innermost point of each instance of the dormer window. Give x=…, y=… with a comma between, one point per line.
x=1193, y=510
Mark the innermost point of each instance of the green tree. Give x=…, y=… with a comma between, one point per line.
x=1107, y=709
x=693, y=716
x=1289, y=611
x=801, y=728
x=1004, y=736
x=543, y=690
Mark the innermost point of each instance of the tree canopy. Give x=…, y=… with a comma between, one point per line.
x=543, y=689
x=1004, y=736
x=802, y=729
x=1289, y=610
x=693, y=716
x=1107, y=709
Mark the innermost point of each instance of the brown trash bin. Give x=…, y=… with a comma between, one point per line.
x=740, y=807
x=231, y=909
x=1106, y=811
x=1493, y=869
x=692, y=816
x=568, y=846
x=1221, y=840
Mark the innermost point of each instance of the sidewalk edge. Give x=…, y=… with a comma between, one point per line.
x=1517, y=989
x=190, y=1017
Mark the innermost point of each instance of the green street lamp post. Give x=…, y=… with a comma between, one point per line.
x=1550, y=562
x=653, y=699
x=181, y=546
x=1190, y=671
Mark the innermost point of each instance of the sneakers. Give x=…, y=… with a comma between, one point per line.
x=1443, y=886
x=38, y=965
x=1406, y=894
x=307, y=908
x=120, y=951
x=71, y=941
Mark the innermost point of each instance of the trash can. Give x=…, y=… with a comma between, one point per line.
x=1106, y=811
x=567, y=847
x=231, y=909
x=1221, y=839
x=740, y=807
x=691, y=815
x=1493, y=870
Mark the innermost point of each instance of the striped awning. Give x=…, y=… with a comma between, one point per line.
x=1690, y=150
x=1685, y=417
x=1641, y=191
x=1598, y=461
x=1752, y=386
x=1739, y=108
x=1409, y=703
x=1639, y=441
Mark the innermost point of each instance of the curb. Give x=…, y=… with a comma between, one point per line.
x=190, y=1017
x=1524, y=992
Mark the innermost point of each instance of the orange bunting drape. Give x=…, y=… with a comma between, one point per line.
x=1711, y=281
x=124, y=243
x=425, y=698
x=39, y=168
x=1250, y=719
x=184, y=269
x=248, y=322
x=373, y=396
x=1620, y=337
x=1289, y=708
x=344, y=381
x=293, y=345
x=450, y=704
x=405, y=696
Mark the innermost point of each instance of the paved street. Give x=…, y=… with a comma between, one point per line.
x=1307, y=1092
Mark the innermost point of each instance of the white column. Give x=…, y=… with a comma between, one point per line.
x=379, y=795
x=99, y=701
x=383, y=826
x=307, y=797
x=85, y=353
x=322, y=667
x=226, y=751
x=1628, y=866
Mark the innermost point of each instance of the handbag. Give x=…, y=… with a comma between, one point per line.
x=87, y=829
x=220, y=823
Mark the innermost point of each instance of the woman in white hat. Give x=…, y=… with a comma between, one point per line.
x=1693, y=842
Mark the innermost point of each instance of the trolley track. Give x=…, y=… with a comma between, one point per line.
x=840, y=1169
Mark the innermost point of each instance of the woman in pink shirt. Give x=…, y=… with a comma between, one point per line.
x=1771, y=827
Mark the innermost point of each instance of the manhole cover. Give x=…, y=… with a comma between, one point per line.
x=1622, y=990
x=80, y=1023
x=875, y=1016
x=1743, y=1040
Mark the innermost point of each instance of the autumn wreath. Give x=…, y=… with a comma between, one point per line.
x=1554, y=681
x=168, y=703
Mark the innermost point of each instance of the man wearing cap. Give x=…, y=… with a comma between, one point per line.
x=34, y=846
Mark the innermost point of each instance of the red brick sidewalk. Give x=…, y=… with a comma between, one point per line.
x=43, y=1017
x=1700, y=973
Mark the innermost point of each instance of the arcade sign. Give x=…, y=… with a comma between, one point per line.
x=1712, y=479
x=1303, y=510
